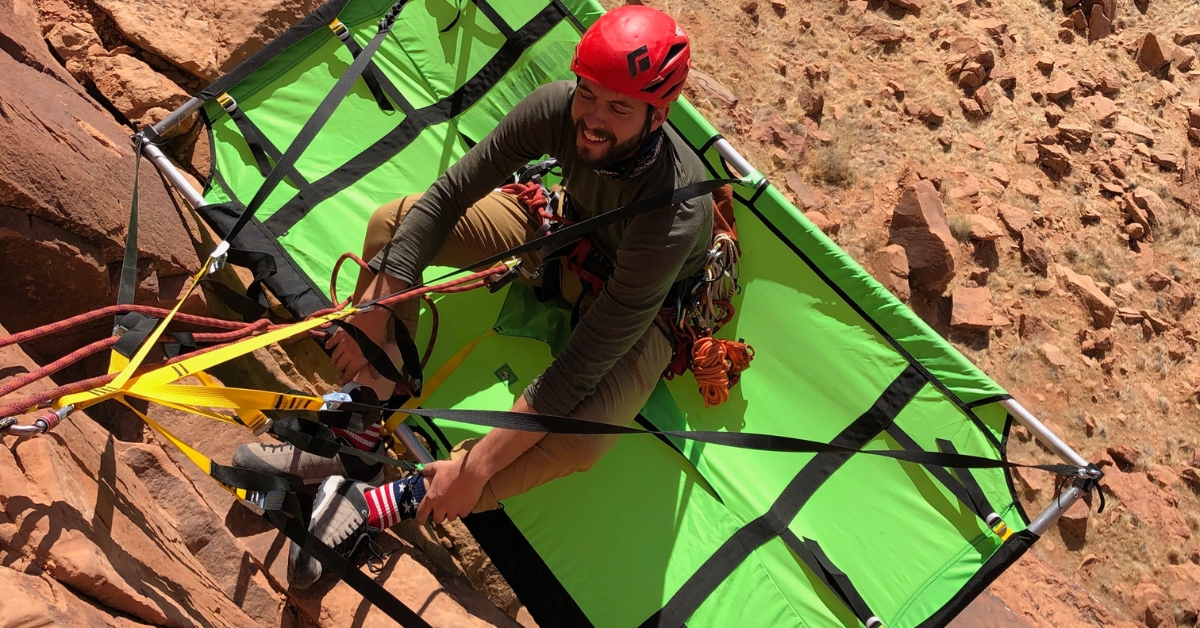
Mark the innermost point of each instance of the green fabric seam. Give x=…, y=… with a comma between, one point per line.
x=957, y=557
x=308, y=50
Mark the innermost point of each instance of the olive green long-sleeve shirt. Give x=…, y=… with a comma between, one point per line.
x=651, y=251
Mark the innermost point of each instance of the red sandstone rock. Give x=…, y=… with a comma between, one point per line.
x=972, y=308
x=890, y=267
x=1150, y=54
x=984, y=228
x=1074, y=522
x=1099, y=305
x=919, y=225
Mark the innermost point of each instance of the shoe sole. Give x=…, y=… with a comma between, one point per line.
x=321, y=504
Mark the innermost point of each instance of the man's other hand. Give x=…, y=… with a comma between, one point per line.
x=451, y=491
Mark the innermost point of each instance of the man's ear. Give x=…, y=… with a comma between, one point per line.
x=659, y=116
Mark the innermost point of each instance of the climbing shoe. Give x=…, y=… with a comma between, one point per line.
x=306, y=468
x=339, y=520
x=351, y=429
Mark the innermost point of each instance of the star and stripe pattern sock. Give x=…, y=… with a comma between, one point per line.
x=367, y=440
x=394, y=502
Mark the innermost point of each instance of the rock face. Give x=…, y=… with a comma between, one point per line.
x=85, y=519
x=33, y=599
x=1047, y=599
x=919, y=225
x=205, y=39
x=134, y=88
x=66, y=173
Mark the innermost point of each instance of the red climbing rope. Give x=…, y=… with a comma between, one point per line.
x=113, y=310
x=238, y=331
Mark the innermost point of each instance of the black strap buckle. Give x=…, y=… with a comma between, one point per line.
x=497, y=281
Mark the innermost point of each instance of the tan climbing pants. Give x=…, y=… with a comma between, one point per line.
x=495, y=224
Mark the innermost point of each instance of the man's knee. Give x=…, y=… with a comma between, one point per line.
x=387, y=217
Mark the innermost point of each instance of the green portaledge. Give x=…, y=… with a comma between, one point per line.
x=1009, y=551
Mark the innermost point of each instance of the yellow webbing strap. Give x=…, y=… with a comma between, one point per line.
x=192, y=365
x=208, y=414
x=435, y=382
x=225, y=398
x=117, y=362
x=251, y=419
x=148, y=344
x=205, y=361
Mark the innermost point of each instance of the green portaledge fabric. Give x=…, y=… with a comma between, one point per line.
x=972, y=394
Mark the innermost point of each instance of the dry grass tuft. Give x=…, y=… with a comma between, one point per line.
x=832, y=166
x=960, y=227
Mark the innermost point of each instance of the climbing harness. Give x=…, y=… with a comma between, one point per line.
x=696, y=307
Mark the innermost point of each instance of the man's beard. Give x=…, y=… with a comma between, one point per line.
x=616, y=151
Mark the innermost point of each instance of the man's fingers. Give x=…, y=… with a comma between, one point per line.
x=423, y=509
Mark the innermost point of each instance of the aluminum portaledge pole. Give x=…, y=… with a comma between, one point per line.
x=178, y=181
x=411, y=443
x=1062, y=502
x=1043, y=433
x=175, y=117
x=735, y=159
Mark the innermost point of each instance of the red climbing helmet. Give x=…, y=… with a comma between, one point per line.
x=635, y=50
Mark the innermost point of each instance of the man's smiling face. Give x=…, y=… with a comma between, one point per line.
x=610, y=126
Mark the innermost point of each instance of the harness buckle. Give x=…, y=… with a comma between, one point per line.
x=334, y=401
x=497, y=281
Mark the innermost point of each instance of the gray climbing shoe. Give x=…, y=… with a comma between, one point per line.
x=339, y=520
x=286, y=460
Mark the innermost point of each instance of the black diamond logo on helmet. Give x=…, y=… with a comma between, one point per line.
x=639, y=61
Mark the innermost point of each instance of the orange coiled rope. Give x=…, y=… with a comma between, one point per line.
x=717, y=364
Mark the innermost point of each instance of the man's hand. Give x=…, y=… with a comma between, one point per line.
x=452, y=491
x=347, y=356
x=454, y=486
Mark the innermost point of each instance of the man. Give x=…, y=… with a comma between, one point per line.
x=607, y=132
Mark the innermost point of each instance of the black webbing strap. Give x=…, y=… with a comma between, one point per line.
x=310, y=437
x=979, y=500
x=318, y=119
x=249, y=309
x=252, y=305
x=253, y=137
x=261, y=148
x=553, y=424
x=584, y=227
x=280, y=507
x=834, y=579
x=275, y=492
x=348, y=572
x=494, y=17
x=942, y=475
x=184, y=342
x=739, y=546
x=378, y=83
x=133, y=329
x=127, y=288
x=137, y=327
